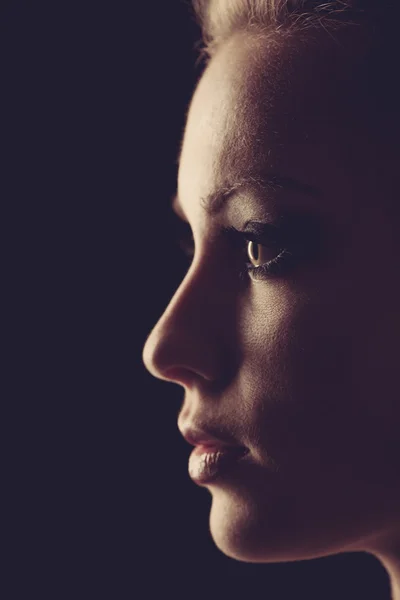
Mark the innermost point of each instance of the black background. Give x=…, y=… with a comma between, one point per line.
x=94, y=97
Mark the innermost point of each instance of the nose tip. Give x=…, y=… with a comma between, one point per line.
x=175, y=360
x=160, y=363
x=148, y=354
x=187, y=343
x=157, y=357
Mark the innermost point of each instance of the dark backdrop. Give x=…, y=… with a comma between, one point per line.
x=94, y=97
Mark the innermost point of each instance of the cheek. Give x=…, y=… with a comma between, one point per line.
x=310, y=379
x=297, y=377
x=292, y=347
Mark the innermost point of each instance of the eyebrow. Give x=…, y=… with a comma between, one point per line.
x=215, y=201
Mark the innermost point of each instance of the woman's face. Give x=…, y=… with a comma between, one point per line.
x=298, y=364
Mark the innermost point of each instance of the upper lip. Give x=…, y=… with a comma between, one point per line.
x=209, y=436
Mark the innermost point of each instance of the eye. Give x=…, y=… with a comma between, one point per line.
x=259, y=254
x=266, y=250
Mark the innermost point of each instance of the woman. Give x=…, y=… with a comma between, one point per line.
x=285, y=329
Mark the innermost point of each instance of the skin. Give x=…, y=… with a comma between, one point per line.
x=300, y=368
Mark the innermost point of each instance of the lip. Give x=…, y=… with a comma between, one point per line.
x=209, y=437
x=215, y=455
x=207, y=465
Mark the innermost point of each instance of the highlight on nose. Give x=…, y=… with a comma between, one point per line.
x=162, y=362
x=149, y=355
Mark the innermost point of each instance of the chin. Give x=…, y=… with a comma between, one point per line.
x=267, y=532
x=247, y=533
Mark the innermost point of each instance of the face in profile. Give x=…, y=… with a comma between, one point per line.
x=284, y=331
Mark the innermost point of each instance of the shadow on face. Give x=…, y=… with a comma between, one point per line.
x=285, y=328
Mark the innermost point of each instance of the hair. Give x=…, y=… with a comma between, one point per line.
x=220, y=19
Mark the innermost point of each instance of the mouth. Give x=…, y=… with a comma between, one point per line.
x=208, y=438
x=214, y=455
x=208, y=463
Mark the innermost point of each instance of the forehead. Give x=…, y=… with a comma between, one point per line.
x=264, y=103
x=226, y=116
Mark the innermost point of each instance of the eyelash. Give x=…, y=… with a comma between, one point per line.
x=275, y=267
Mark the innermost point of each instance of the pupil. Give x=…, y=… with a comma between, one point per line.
x=255, y=251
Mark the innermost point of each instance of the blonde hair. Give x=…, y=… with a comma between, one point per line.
x=377, y=74
x=220, y=19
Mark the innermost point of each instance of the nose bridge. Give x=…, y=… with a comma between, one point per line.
x=192, y=331
x=164, y=325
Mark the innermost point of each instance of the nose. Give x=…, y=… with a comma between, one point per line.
x=189, y=341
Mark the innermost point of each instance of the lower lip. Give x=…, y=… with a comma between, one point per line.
x=206, y=464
